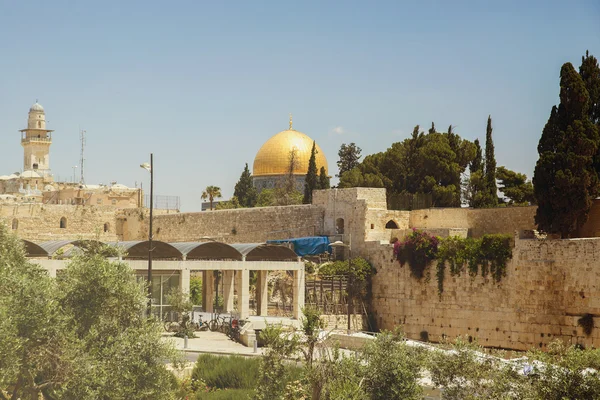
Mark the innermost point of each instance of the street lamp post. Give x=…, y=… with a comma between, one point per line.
x=350, y=304
x=149, y=168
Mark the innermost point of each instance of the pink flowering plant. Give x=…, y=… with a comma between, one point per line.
x=418, y=249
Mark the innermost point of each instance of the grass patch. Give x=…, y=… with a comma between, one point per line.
x=239, y=394
x=232, y=372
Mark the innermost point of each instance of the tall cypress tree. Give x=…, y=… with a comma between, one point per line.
x=590, y=73
x=477, y=195
x=490, y=168
x=565, y=180
x=432, y=129
x=477, y=163
x=323, y=179
x=245, y=190
x=310, y=182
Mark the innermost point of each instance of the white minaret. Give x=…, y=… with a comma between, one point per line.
x=36, y=141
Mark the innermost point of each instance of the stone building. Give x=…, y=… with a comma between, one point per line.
x=36, y=174
x=35, y=183
x=273, y=161
x=36, y=141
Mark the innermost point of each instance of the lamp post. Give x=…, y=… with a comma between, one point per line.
x=149, y=168
x=338, y=244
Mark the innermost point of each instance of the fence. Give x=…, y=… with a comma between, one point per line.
x=163, y=202
x=329, y=295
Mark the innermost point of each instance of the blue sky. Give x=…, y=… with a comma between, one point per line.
x=203, y=84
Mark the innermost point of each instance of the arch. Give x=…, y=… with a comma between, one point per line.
x=34, y=249
x=265, y=252
x=208, y=251
x=391, y=224
x=64, y=248
x=63, y=223
x=106, y=227
x=15, y=224
x=139, y=250
x=339, y=226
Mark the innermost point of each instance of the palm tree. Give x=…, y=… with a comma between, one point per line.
x=211, y=193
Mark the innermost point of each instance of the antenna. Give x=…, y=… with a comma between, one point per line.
x=81, y=160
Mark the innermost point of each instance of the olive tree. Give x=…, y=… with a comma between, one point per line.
x=81, y=335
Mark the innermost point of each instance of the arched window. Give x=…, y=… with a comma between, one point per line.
x=15, y=224
x=63, y=223
x=106, y=227
x=339, y=226
x=391, y=225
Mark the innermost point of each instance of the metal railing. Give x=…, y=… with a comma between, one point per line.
x=163, y=202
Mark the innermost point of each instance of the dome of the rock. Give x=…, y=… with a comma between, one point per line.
x=273, y=158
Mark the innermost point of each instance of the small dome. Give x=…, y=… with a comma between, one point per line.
x=273, y=156
x=30, y=174
x=49, y=188
x=36, y=107
x=119, y=186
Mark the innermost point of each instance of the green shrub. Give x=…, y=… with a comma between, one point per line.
x=196, y=290
x=359, y=268
x=226, y=372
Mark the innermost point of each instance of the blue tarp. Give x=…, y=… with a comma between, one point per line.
x=306, y=246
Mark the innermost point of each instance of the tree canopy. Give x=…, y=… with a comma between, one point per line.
x=349, y=157
x=211, y=193
x=491, y=188
x=81, y=335
x=424, y=163
x=323, y=179
x=565, y=178
x=244, y=191
x=311, y=180
x=516, y=188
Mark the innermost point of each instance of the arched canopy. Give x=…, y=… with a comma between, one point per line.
x=266, y=252
x=163, y=250
x=208, y=251
x=139, y=249
x=51, y=247
x=34, y=250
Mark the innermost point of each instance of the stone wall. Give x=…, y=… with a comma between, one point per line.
x=550, y=284
x=243, y=225
x=42, y=222
x=478, y=221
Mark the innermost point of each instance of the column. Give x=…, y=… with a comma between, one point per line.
x=262, y=293
x=208, y=291
x=184, y=279
x=228, y=290
x=242, y=286
x=298, y=292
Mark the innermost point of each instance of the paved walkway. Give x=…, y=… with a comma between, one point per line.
x=212, y=342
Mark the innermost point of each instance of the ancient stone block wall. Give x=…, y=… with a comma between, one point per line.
x=244, y=225
x=478, y=221
x=550, y=284
x=41, y=222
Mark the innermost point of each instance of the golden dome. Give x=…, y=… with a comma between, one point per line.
x=273, y=156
